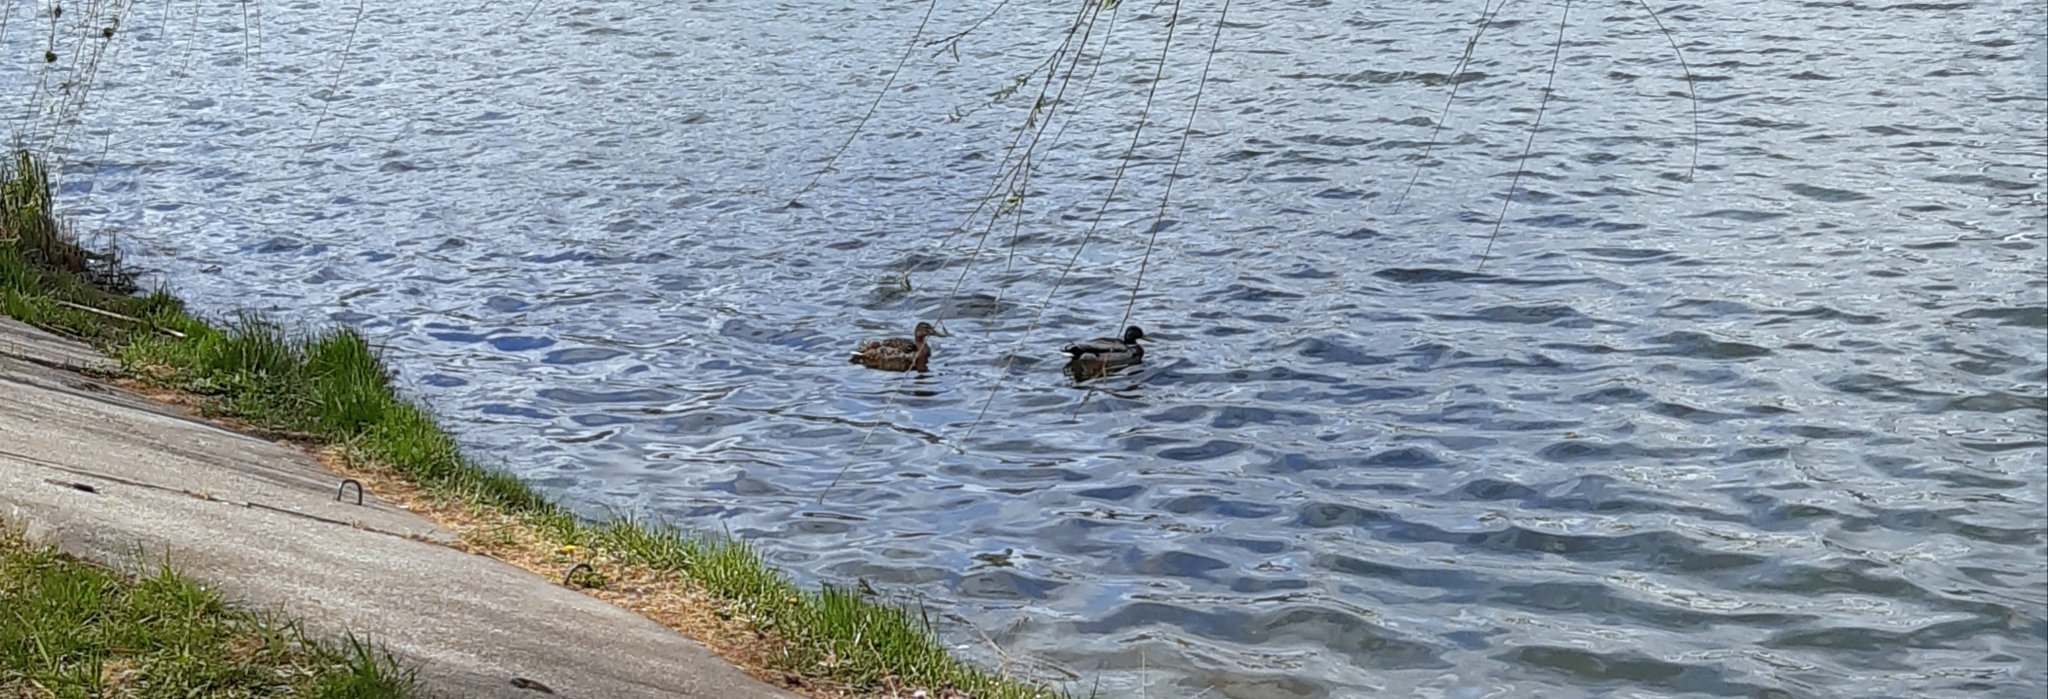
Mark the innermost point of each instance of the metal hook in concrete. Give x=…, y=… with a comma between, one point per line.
x=343, y=488
x=571, y=575
x=527, y=684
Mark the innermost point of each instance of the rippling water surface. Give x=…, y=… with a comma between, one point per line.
x=1773, y=431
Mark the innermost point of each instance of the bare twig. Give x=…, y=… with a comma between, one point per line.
x=1159, y=220
x=1486, y=16
x=335, y=86
x=872, y=106
x=1116, y=181
x=117, y=316
x=1521, y=164
x=1691, y=87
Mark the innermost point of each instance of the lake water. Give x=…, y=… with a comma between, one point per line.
x=1774, y=430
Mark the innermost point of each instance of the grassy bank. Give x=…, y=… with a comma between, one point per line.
x=329, y=387
x=70, y=629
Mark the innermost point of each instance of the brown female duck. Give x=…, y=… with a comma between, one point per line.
x=896, y=353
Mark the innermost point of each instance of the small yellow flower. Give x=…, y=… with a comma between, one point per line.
x=567, y=550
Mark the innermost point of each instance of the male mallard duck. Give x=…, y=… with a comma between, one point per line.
x=897, y=354
x=1109, y=350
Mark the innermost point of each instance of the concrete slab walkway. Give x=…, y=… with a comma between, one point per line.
x=111, y=476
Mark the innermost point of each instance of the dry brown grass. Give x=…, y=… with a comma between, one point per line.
x=658, y=595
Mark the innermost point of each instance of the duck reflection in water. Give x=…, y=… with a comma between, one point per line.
x=898, y=354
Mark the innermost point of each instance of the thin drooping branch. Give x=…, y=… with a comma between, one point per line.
x=1018, y=178
x=335, y=86
x=952, y=41
x=1159, y=220
x=879, y=95
x=1457, y=79
x=1123, y=164
x=1691, y=87
x=1556, y=51
x=1080, y=18
x=1006, y=172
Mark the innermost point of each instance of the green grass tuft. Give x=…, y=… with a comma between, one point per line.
x=332, y=386
x=70, y=629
